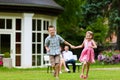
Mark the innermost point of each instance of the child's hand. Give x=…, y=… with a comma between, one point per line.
x=90, y=46
x=73, y=47
x=47, y=49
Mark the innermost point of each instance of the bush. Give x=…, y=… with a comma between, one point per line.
x=109, y=57
x=6, y=55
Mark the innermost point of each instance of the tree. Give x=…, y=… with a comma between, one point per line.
x=68, y=22
x=114, y=19
x=80, y=16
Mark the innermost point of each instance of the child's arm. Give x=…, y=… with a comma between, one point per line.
x=47, y=49
x=94, y=44
x=80, y=46
x=68, y=44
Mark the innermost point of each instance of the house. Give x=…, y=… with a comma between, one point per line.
x=23, y=28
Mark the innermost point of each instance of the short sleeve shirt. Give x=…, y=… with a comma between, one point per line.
x=54, y=44
x=67, y=55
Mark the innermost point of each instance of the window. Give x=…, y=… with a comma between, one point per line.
x=2, y=23
x=39, y=28
x=5, y=23
x=18, y=43
x=45, y=24
x=18, y=24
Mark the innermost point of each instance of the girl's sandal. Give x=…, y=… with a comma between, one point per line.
x=85, y=77
x=81, y=76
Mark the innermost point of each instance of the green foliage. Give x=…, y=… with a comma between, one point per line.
x=94, y=9
x=99, y=28
x=114, y=19
x=68, y=21
x=6, y=55
x=108, y=53
x=80, y=16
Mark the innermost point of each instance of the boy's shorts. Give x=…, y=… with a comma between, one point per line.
x=54, y=59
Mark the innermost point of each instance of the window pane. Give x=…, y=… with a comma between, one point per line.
x=33, y=48
x=38, y=48
x=44, y=25
x=38, y=60
x=18, y=48
x=33, y=60
x=33, y=37
x=38, y=25
x=33, y=24
x=2, y=23
x=18, y=60
x=38, y=37
x=47, y=25
x=5, y=43
x=9, y=23
x=18, y=24
x=18, y=37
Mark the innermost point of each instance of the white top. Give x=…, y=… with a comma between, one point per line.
x=67, y=55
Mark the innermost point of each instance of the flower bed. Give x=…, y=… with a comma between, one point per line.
x=1, y=62
x=109, y=57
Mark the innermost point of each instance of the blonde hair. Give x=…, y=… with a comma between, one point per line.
x=91, y=33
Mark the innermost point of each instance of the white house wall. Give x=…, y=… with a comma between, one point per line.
x=26, y=42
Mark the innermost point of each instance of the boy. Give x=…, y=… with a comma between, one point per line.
x=52, y=46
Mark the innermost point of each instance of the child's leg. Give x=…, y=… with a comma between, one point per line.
x=57, y=69
x=64, y=66
x=52, y=61
x=60, y=66
x=57, y=65
x=87, y=69
x=83, y=69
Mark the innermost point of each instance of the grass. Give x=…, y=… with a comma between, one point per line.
x=41, y=74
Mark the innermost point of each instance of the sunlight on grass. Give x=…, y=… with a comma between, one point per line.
x=96, y=73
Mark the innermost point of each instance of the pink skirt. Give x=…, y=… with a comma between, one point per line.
x=87, y=55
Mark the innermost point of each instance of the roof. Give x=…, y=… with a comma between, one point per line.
x=37, y=6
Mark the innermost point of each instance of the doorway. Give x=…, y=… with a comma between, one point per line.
x=5, y=43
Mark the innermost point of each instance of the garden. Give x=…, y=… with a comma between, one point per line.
x=99, y=16
x=109, y=57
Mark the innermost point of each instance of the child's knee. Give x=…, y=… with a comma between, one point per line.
x=85, y=62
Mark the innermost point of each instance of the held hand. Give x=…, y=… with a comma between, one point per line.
x=48, y=49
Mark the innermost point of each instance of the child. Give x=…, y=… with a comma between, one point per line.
x=52, y=46
x=62, y=62
x=87, y=55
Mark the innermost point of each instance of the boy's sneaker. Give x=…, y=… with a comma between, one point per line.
x=67, y=70
x=54, y=74
x=60, y=72
x=57, y=78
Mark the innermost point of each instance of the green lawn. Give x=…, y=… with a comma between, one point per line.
x=96, y=73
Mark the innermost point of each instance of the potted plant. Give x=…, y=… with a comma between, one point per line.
x=7, y=61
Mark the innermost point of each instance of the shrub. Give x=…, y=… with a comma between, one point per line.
x=6, y=55
x=109, y=57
